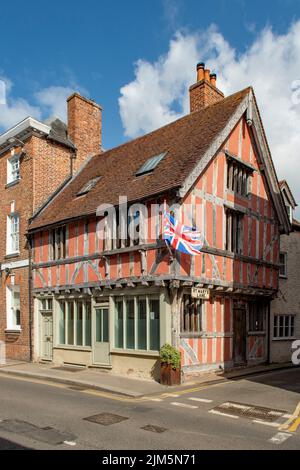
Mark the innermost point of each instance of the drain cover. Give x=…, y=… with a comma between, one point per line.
x=151, y=428
x=249, y=411
x=106, y=419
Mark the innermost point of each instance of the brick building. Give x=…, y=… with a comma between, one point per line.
x=105, y=299
x=36, y=158
x=285, y=319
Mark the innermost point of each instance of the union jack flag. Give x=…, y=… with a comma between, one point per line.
x=181, y=237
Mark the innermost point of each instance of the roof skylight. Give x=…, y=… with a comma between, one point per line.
x=88, y=186
x=150, y=164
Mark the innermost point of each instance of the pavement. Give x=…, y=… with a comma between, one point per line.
x=260, y=411
x=100, y=379
x=82, y=377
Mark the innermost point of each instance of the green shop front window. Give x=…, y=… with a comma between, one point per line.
x=137, y=322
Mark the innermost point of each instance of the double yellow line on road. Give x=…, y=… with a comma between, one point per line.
x=292, y=424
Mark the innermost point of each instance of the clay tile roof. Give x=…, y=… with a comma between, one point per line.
x=185, y=141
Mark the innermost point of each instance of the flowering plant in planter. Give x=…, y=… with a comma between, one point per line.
x=170, y=373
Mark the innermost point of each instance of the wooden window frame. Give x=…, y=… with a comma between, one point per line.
x=191, y=313
x=257, y=312
x=238, y=174
x=58, y=239
x=284, y=264
x=234, y=231
x=288, y=321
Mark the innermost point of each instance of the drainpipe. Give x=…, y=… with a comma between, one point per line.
x=73, y=157
x=30, y=298
x=269, y=334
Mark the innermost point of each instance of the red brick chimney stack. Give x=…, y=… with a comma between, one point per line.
x=204, y=92
x=84, y=127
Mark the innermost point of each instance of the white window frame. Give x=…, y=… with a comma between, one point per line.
x=11, y=308
x=13, y=235
x=13, y=173
x=284, y=276
x=287, y=322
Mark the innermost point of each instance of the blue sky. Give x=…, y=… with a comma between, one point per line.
x=137, y=58
x=94, y=44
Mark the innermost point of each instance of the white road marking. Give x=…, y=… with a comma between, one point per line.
x=266, y=423
x=280, y=437
x=155, y=399
x=215, y=412
x=287, y=415
x=275, y=413
x=183, y=405
x=236, y=405
x=166, y=395
x=203, y=400
x=70, y=443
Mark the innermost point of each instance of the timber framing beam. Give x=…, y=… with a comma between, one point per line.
x=184, y=283
x=154, y=246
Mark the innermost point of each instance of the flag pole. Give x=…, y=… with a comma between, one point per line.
x=167, y=245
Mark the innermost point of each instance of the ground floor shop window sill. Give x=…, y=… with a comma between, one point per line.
x=69, y=347
x=135, y=352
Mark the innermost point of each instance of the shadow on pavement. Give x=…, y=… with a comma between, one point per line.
x=288, y=379
x=9, y=445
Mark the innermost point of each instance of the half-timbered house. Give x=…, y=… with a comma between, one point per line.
x=113, y=301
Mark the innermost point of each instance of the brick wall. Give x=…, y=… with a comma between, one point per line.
x=203, y=94
x=20, y=195
x=44, y=165
x=84, y=127
x=51, y=166
x=288, y=300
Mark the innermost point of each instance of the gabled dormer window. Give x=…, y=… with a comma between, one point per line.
x=13, y=169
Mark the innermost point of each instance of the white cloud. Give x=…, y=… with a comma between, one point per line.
x=13, y=110
x=53, y=99
x=271, y=64
x=50, y=101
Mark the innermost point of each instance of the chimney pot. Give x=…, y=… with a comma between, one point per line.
x=213, y=79
x=200, y=71
x=204, y=92
x=207, y=75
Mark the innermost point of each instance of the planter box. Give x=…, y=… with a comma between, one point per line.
x=169, y=376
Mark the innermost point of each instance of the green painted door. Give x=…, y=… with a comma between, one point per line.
x=47, y=336
x=101, y=336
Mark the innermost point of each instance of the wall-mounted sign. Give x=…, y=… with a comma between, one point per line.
x=200, y=293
